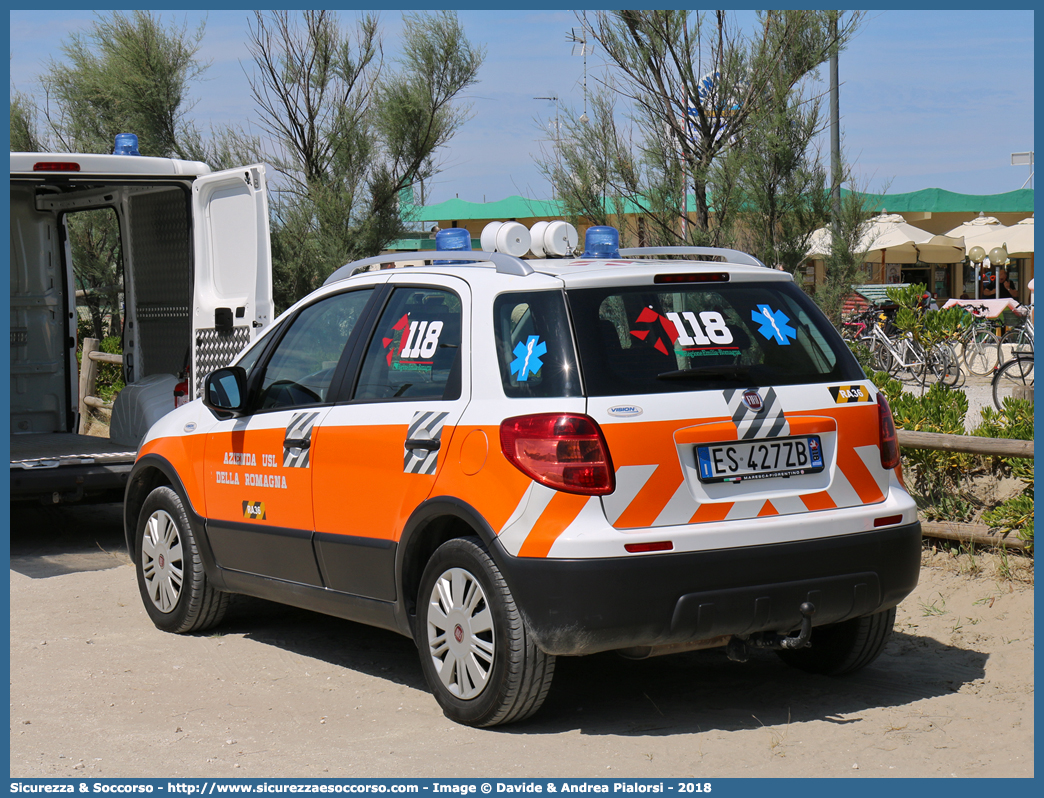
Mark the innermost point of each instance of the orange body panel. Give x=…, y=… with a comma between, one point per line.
x=767, y=509
x=185, y=453
x=560, y=512
x=818, y=501
x=494, y=490
x=261, y=480
x=359, y=484
x=708, y=512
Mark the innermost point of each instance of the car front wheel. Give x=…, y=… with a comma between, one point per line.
x=171, y=579
x=477, y=655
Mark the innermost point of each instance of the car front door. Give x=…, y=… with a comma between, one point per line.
x=259, y=466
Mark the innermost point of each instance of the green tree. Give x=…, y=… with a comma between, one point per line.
x=779, y=189
x=844, y=264
x=349, y=135
x=126, y=73
x=695, y=86
x=25, y=130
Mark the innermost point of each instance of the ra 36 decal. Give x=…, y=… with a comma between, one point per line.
x=254, y=511
x=844, y=394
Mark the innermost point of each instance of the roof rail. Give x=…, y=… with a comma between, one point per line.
x=506, y=264
x=733, y=255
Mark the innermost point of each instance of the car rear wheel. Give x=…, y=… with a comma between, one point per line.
x=171, y=579
x=477, y=655
x=840, y=648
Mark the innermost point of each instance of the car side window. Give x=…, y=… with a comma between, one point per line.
x=415, y=349
x=302, y=366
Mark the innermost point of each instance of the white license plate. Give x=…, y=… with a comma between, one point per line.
x=738, y=461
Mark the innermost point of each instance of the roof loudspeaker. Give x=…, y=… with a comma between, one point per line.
x=536, y=232
x=511, y=238
x=560, y=239
x=553, y=239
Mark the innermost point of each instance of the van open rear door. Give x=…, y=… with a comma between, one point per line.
x=232, y=284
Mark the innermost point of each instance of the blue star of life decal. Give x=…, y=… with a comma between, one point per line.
x=774, y=325
x=527, y=357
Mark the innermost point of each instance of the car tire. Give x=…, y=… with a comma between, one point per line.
x=840, y=648
x=477, y=655
x=171, y=579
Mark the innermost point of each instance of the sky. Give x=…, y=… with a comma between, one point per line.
x=929, y=99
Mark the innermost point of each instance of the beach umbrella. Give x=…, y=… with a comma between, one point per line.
x=941, y=249
x=976, y=227
x=1017, y=239
x=886, y=238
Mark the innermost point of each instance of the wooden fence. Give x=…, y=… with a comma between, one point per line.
x=92, y=356
x=938, y=441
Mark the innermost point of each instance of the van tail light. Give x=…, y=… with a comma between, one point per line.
x=889, y=440
x=181, y=393
x=565, y=451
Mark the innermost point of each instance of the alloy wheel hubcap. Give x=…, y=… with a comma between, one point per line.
x=460, y=633
x=161, y=561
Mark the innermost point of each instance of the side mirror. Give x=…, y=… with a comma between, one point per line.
x=225, y=390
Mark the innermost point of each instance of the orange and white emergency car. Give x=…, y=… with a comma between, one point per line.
x=512, y=460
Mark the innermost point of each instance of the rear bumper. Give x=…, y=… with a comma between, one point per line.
x=71, y=483
x=586, y=606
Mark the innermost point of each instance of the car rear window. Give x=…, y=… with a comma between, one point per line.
x=654, y=339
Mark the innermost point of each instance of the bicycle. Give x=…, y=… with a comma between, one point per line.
x=980, y=347
x=1018, y=340
x=1013, y=378
x=906, y=356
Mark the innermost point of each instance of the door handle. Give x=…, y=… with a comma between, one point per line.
x=297, y=443
x=431, y=444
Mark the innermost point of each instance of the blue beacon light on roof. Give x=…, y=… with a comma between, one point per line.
x=126, y=144
x=453, y=239
x=601, y=241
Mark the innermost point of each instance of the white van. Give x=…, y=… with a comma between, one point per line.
x=197, y=288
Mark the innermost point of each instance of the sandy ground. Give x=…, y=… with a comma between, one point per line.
x=97, y=691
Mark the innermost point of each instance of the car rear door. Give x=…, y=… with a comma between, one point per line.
x=376, y=456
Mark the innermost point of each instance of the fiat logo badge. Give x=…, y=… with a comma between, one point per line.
x=458, y=633
x=752, y=399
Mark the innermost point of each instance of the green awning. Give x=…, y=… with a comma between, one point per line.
x=934, y=200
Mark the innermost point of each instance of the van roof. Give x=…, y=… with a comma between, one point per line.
x=23, y=163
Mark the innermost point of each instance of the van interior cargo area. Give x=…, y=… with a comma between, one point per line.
x=40, y=450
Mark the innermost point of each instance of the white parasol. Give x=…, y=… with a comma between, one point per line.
x=888, y=238
x=1016, y=239
x=976, y=227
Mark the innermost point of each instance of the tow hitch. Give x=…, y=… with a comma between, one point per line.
x=738, y=647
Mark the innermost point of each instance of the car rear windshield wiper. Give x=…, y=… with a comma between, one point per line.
x=701, y=372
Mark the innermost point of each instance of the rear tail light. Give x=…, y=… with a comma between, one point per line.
x=565, y=451
x=889, y=440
